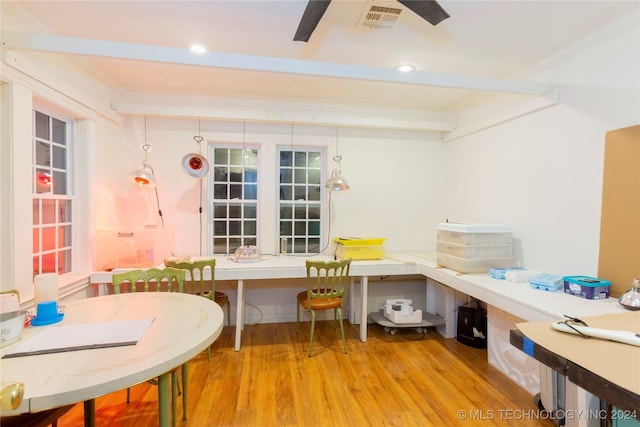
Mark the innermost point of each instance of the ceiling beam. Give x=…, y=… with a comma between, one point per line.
x=173, y=55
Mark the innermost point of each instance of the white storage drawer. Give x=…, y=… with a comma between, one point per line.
x=474, y=252
x=474, y=234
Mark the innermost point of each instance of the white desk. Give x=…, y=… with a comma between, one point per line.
x=183, y=326
x=518, y=299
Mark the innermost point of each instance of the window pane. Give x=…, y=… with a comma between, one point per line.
x=49, y=263
x=286, y=176
x=315, y=160
x=36, y=266
x=314, y=176
x=48, y=211
x=250, y=211
x=48, y=238
x=314, y=228
x=250, y=228
x=36, y=240
x=286, y=211
x=64, y=236
x=220, y=246
x=59, y=157
x=235, y=175
x=235, y=228
x=64, y=261
x=300, y=159
x=314, y=211
x=286, y=228
x=221, y=156
x=220, y=191
x=58, y=131
x=235, y=191
x=36, y=211
x=220, y=173
x=42, y=125
x=300, y=228
x=300, y=192
x=286, y=192
x=59, y=182
x=64, y=211
x=251, y=175
x=285, y=158
x=314, y=193
x=219, y=210
x=43, y=181
x=300, y=176
x=43, y=155
x=235, y=211
x=251, y=192
x=300, y=212
x=220, y=228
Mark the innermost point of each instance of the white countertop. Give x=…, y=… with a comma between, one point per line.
x=520, y=299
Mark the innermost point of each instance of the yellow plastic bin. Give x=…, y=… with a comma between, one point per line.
x=358, y=248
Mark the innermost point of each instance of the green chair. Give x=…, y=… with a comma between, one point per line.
x=158, y=280
x=327, y=283
x=198, y=285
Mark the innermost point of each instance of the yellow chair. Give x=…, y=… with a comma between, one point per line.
x=158, y=280
x=198, y=286
x=327, y=283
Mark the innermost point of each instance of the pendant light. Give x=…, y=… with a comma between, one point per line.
x=336, y=181
x=143, y=177
x=195, y=164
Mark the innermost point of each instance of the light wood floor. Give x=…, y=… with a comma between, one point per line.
x=389, y=381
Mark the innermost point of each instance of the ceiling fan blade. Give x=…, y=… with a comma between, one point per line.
x=428, y=10
x=310, y=18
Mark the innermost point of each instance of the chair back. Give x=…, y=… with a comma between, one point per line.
x=197, y=285
x=327, y=279
x=153, y=279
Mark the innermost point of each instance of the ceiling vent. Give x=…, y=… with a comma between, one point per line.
x=380, y=16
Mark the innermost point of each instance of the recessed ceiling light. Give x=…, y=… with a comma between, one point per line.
x=405, y=68
x=197, y=48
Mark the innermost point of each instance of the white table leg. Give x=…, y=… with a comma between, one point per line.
x=364, y=315
x=239, y=314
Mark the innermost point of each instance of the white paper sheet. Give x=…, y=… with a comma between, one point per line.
x=57, y=339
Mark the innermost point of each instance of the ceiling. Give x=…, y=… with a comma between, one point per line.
x=252, y=55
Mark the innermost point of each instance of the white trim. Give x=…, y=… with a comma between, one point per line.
x=172, y=55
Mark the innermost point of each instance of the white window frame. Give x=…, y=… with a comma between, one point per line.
x=268, y=191
x=69, y=195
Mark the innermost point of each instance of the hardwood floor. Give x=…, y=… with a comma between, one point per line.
x=392, y=380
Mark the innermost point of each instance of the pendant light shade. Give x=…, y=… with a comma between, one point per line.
x=142, y=177
x=337, y=182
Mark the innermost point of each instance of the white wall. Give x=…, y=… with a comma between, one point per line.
x=395, y=178
x=542, y=173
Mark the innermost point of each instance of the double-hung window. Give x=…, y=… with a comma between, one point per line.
x=53, y=197
x=235, y=198
x=245, y=212
x=300, y=201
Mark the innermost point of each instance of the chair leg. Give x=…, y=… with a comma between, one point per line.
x=344, y=341
x=313, y=328
x=297, y=317
x=228, y=313
x=185, y=381
x=128, y=395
